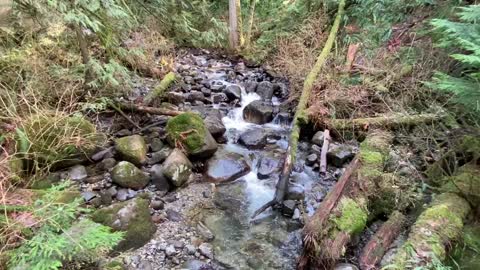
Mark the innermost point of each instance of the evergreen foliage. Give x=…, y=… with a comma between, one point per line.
x=462, y=37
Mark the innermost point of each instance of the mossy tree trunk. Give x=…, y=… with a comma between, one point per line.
x=301, y=116
x=251, y=18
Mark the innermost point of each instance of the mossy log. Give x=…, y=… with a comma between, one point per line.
x=344, y=212
x=436, y=229
x=377, y=246
x=383, y=121
x=150, y=110
x=160, y=88
x=301, y=116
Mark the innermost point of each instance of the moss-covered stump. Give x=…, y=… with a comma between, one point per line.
x=188, y=131
x=435, y=230
x=465, y=183
x=128, y=175
x=59, y=140
x=132, y=148
x=131, y=217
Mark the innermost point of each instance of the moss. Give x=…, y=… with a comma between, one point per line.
x=113, y=265
x=371, y=159
x=377, y=141
x=353, y=217
x=128, y=175
x=466, y=183
x=132, y=148
x=135, y=221
x=470, y=144
x=187, y=129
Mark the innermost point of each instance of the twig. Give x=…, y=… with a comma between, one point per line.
x=116, y=108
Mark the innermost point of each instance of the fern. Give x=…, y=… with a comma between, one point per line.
x=463, y=38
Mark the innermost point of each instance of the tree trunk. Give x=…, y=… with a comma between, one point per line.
x=233, y=25
x=378, y=245
x=82, y=43
x=251, y=18
x=300, y=115
x=238, y=9
x=383, y=121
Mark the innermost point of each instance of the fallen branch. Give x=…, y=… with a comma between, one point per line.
x=117, y=109
x=378, y=245
x=323, y=154
x=150, y=110
x=300, y=115
x=160, y=88
x=384, y=121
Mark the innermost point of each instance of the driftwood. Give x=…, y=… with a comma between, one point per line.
x=146, y=109
x=300, y=115
x=384, y=121
x=323, y=154
x=160, y=88
x=377, y=246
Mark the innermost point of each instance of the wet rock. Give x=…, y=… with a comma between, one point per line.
x=132, y=148
x=265, y=90
x=112, y=191
x=125, y=174
x=157, y=204
x=267, y=167
x=206, y=250
x=122, y=194
x=316, y=149
x=280, y=90
x=177, y=168
x=253, y=138
x=101, y=154
x=156, y=145
x=345, y=266
x=226, y=167
x=219, y=98
x=205, y=233
x=190, y=130
x=295, y=192
x=195, y=96
x=175, y=98
x=132, y=218
x=77, y=173
x=170, y=251
x=108, y=163
x=173, y=215
x=217, y=86
x=233, y=92
x=196, y=265
x=123, y=132
x=283, y=118
x=251, y=87
x=206, y=92
x=215, y=125
x=311, y=159
x=258, y=112
x=145, y=265
x=158, y=178
x=338, y=155
x=190, y=249
x=94, y=179
x=318, y=138
x=88, y=195
x=159, y=156
x=288, y=207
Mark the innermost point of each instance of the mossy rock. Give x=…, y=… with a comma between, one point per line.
x=59, y=140
x=465, y=183
x=377, y=141
x=353, y=216
x=128, y=175
x=131, y=217
x=132, y=148
x=189, y=131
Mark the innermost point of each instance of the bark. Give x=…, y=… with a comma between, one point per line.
x=146, y=109
x=384, y=121
x=378, y=245
x=82, y=43
x=160, y=88
x=251, y=18
x=233, y=38
x=323, y=154
x=238, y=9
x=301, y=116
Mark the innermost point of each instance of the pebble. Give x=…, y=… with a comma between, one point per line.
x=157, y=204
x=170, y=251
x=206, y=250
x=190, y=249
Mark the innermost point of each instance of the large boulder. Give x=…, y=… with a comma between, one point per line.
x=226, y=166
x=258, y=112
x=265, y=90
x=214, y=124
x=253, y=138
x=268, y=167
x=189, y=131
x=177, y=168
x=132, y=218
x=233, y=92
x=132, y=148
x=59, y=140
x=127, y=175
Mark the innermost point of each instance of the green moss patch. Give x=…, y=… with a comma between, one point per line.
x=353, y=217
x=466, y=183
x=187, y=129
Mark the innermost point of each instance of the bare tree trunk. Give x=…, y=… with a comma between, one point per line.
x=238, y=9
x=301, y=116
x=82, y=43
x=251, y=18
x=233, y=25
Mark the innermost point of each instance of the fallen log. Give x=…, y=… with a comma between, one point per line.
x=323, y=154
x=160, y=88
x=435, y=230
x=301, y=116
x=377, y=246
x=150, y=110
x=384, y=121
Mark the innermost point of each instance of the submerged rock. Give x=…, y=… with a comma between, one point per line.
x=189, y=130
x=128, y=175
x=133, y=218
x=258, y=112
x=132, y=148
x=253, y=138
x=226, y=167
x=177, y=168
